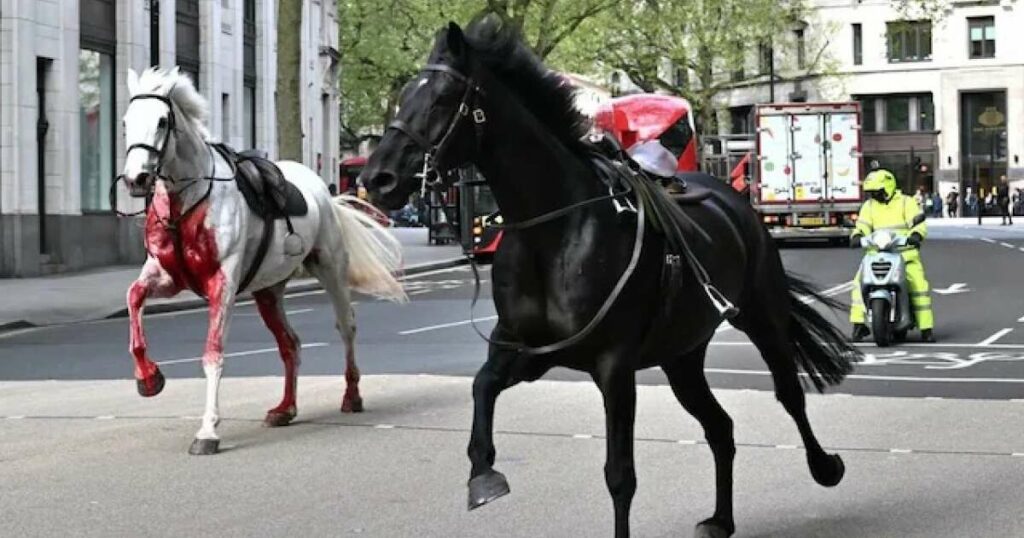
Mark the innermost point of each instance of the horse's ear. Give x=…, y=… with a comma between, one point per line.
x=456, y=40
x=133, y=81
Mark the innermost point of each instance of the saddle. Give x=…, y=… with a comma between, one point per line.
x=270, y=196
x=262, y=184
x=651, y=166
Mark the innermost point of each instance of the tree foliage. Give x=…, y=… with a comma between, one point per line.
x=689, y=47
x=384, y=43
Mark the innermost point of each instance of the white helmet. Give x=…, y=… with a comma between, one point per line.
x=654, y=158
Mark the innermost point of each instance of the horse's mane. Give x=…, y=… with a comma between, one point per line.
x=549, y=95
x=178, y=87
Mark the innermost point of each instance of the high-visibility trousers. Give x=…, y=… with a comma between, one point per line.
x=920, y=297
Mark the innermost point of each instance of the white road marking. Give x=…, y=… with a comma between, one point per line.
x=105, y=417
x=15, y=417
x=1021, y=320
x=987, y=240
x=900, y=450
x=1022, y=249
x=953, y=289
x=1007, y=245
x=915, y=344
x=445, y=325
x=418, y=292
x=241, y=353
x=582, y=436
x=867, y=377
x=992, y=339
x=686, y=442
x=786, y=447
x=384, y=426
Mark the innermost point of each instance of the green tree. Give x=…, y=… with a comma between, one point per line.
x=384, y=44
x=688, y=48
x=289, y=125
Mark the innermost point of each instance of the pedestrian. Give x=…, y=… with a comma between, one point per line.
x=953, y=203
x=936, y=205
x=1003, y=201
x=332, y=188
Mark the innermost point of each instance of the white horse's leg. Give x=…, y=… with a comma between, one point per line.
x=270, y=302
x=153, y=281
x=329, y=268
x=220, y=292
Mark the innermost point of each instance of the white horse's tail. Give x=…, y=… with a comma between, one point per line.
x=374, y=255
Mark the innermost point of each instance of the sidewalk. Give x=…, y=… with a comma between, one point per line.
x=100, y=293
x=987, y=221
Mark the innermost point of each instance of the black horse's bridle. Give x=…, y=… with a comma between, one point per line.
x=469, y=105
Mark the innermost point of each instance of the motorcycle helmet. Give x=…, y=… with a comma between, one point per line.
x=880, y=185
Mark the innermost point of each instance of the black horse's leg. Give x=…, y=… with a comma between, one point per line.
x=486, y=484
x=686, y=376
x=778, y=353
x=618, y=387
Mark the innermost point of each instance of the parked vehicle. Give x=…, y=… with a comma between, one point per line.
x=884, y=287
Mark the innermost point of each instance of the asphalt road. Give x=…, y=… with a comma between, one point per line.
x=979, y=308
x=929, y=432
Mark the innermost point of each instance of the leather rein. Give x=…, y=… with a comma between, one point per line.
x=470, y=103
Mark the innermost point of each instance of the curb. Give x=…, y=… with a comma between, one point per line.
x=189, y=304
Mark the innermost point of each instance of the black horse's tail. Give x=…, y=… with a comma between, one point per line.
x=821, y=349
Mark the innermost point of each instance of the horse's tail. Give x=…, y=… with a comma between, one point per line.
x=374, y=255
x=821, y=350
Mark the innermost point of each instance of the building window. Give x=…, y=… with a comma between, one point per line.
x=801, y=57
x=186, y=16
x=742, y=119
x=868, y=115
x=764, y=58
x=909, y=41
x=249, y=74
x=96, y=117
x=737, y=74
x=897, y=112
x=225, y=117
x=858, y=45
x=925, y=113
x=981, y=35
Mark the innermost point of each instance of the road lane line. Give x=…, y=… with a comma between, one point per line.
x=962, y=345
x=241, y=353
x=992, y=339
x=871, y=377
x=1022, y=249
x=1021, y=320
x=444, y=326
x=1007, y=245
x=987, y=240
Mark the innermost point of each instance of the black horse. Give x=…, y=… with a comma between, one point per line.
x=485, y=98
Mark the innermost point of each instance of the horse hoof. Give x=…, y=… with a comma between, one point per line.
x=486, y=488
x=351, y=405
x=152, y=385
x=712, y=528
x=204, y=447
x=828, y=471
x=276, y=419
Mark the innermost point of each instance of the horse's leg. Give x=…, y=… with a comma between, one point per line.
x=270, y=302
x=330, y=271
x=618, y=387
x=220, y=294
x=486, y=484
x=686, y=375
x=768, y=333
x=153, y=281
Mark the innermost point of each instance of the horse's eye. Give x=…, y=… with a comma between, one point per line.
x=162, y=123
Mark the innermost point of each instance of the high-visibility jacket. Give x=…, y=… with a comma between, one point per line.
x=901, y=216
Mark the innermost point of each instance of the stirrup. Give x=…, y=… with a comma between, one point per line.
x=721, y=303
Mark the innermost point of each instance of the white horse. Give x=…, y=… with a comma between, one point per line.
x=200, y=234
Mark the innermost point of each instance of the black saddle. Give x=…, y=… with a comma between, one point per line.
x=263, y=186
x=677, y=187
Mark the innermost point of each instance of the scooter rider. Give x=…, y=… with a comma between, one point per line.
x=889, y=209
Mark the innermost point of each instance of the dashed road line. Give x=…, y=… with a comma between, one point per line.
x=1007, y=245
x=987, y=240
x=992, y=339
x=559, y=435
x=240, y=353
x=872, y=377
x=445, y=325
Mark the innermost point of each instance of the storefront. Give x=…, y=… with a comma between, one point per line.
x=982, y=140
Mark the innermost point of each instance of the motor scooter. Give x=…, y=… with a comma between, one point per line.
x=883, y=281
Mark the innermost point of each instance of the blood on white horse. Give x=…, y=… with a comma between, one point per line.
x=201, y=235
